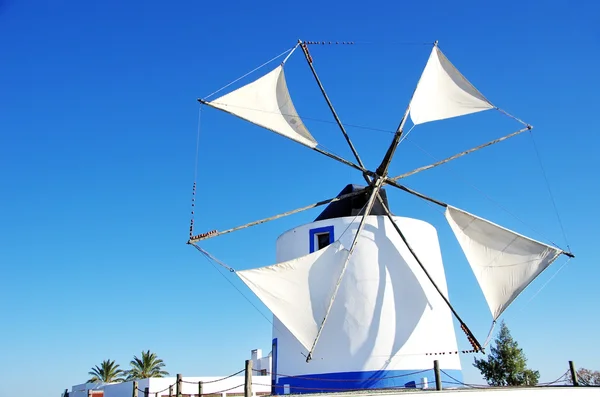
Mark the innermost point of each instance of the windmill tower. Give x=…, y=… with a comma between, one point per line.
x=380, y=339
x=359, y=296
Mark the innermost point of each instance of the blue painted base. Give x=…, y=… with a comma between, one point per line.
x=346, y=381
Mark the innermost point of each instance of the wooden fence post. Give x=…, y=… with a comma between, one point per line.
x=170, y=390
x=573, y=374
x=135, y=389
x=438, y=378
x=200, y=389
x=147, y=392
x=248, y=379
x=89, y=393
x=178, y=386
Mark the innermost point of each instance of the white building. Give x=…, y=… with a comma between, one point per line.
x=211, y=386
x=260, y=365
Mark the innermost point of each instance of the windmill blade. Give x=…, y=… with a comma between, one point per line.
x=458, y=155
x=298, y=290
x=503, y=261
x=443, y=92
x=204, y=236
x=368, y=207
x=267, y=103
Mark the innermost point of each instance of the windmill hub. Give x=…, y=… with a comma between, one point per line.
x=353, y=206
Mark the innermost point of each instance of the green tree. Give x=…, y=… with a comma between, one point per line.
x=149, y=366
x=107, y=372
x=506, y=364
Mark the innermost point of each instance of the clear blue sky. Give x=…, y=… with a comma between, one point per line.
x=98, y=124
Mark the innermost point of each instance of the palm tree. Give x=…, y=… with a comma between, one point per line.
x=107, y=372
x=149, y=366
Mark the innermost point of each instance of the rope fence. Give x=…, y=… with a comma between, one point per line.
x=217, y=380
x=305, y=384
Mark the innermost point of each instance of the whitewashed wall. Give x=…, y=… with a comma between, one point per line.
x=398, y=318
x=259, y=362
x=124, y=389
x=159, y=384
x=81, y=390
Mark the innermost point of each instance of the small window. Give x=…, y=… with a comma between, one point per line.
x=323, y=240
x=320, y=237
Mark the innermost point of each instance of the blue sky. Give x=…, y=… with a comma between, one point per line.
x=98, y=124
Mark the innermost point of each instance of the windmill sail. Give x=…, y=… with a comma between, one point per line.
x=266, y=102
x=298, y=291
x=443, y=92
x=503, y=262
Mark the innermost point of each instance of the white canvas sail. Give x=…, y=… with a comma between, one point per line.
x=503, y=262
x=266, y=102
x=443, y=92
x=298, y=291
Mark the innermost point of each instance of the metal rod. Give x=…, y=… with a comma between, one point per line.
x=195, y=239
x=335, y=115
x=368, y=208
x=427, y=167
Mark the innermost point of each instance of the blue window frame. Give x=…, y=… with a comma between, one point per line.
x=313, y=235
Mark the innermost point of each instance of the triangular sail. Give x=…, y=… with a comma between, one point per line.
x=266, y=102
x=443, y=92
x=503, y=262
x=298, y=291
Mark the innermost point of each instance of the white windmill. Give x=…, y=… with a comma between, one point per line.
x=353, y=321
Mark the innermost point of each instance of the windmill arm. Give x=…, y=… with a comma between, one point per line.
x=309, y=60
x=205, y=236
x=395, y=184
x=342, y=160
x=438, y=163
